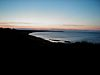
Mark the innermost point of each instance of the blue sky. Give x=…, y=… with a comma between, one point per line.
x=50, y=12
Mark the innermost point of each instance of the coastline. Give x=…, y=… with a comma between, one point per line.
x=69, y=36
x=19, y=39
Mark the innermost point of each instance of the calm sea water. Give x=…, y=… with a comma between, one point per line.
x=70, y=35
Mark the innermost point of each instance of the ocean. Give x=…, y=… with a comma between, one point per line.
x=70, y=35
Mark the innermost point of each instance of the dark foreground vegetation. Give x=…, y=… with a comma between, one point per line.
x=20, y=40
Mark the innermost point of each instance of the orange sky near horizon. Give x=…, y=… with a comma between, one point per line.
x=46, y=27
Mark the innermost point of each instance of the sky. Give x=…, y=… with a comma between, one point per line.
x=50, y=14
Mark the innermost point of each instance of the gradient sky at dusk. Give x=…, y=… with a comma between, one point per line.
x=51, y=13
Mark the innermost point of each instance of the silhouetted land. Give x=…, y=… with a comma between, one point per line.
x=19, y=39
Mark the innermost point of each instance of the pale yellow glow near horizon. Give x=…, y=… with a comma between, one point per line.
x=44, y=24
x=35, y=21
x=31, y=26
